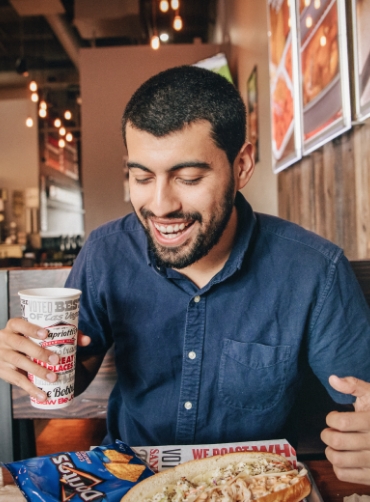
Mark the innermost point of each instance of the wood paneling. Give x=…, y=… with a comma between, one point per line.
x=328, y=192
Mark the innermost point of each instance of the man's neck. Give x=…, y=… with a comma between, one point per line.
x=202, y=271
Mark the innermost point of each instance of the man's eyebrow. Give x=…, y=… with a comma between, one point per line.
x=132, y=165
x=181, y=165
x=191, y=163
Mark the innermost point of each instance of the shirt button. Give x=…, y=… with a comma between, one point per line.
x=192, y=355
x=197, y=299
x=188, y=405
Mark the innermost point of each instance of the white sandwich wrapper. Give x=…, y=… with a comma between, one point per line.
x=160, y=458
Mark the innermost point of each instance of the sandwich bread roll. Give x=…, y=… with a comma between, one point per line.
x=234, y=477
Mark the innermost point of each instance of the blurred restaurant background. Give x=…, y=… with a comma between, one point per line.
x=68, y=67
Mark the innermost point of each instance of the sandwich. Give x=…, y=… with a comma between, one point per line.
x=234, y=477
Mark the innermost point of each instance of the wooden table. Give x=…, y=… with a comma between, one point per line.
x=330, y=488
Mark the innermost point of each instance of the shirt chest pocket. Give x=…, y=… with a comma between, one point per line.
x=252, y=376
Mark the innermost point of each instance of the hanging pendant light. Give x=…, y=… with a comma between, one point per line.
x=155, y=42
x=164, y=5
x=177, y=23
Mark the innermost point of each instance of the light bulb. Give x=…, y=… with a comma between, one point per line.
x=175, y=4
x=309, y=22
x=43, y=105
x=42, y=112
x=177, y=23
x=323, y=41
x=33, y=86
x=69, y=136
x=61, y=143
x=62, y=131
x=34, y=97
x=163, y=5
x=57, y=123
x=29, y=121
x=317, y=4
x=154, y=42
x=67, y=115
x=164, y=37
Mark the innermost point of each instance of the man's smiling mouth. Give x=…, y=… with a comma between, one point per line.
x=172, y=231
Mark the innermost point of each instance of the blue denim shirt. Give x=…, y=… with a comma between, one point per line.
x=225, y=362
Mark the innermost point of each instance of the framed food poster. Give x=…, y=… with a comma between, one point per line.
x=361, y=57
x=325, y=90
x=252, y=112
x=284, y=84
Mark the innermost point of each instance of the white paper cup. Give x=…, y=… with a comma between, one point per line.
x=55, y=309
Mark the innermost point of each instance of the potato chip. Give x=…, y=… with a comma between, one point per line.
x=117, y=456
x=129, y=472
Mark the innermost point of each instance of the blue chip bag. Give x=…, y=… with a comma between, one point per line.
x=105, y=473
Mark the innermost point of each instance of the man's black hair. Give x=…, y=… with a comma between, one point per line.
x=182, y=95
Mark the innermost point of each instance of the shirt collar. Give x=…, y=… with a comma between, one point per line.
x=246, y=225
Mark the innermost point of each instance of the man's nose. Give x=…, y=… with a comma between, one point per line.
x=165, y=200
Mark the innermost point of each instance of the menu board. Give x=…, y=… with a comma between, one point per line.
x=361, y=57
x=325, y=91
x=284, y=84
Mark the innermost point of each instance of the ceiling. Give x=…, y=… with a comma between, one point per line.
x=47, y=34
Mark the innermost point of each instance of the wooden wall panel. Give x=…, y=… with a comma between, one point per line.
x=328, y=192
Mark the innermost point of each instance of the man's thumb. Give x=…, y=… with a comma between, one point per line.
x=350, y=385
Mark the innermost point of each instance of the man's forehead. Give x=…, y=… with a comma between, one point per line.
x=200, y=125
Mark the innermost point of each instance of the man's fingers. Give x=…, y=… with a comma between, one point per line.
x=19, y=361
x=353, y=475
x=350, y=385
x=348, y=459
x=83, y=340
x=20, y=326
x=348, y=421
x=347, y=441
x=346, y=465
x=25, y=347
x=17, y=378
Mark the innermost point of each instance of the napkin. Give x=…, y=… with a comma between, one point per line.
x=357, y=498
x=11, y=492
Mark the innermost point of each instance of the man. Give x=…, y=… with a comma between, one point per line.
x=215, y=311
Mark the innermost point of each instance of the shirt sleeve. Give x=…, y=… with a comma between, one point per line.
x=93, y=318
x=339, y=335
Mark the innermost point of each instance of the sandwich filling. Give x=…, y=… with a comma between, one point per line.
x=244, y=481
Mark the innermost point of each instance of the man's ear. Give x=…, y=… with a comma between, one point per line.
x=244, y=165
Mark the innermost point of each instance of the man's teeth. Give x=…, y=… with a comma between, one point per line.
x=170, y=230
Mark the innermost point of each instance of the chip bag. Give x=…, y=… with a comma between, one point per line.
x=104, y=473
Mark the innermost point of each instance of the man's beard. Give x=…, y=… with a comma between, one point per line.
x=178, y=257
